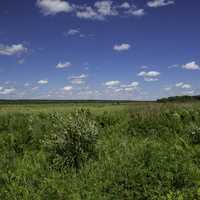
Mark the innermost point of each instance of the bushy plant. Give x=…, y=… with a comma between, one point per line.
x=72, y=141
x=193, y=132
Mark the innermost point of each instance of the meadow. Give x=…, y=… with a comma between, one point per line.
x=100, y=151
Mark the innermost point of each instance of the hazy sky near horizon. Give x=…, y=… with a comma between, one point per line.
x=92, y=49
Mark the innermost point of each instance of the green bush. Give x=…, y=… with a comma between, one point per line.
x=73, y=139
x=193, y=131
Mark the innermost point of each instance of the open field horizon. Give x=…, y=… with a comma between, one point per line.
x=100, y=151
x=99, y=100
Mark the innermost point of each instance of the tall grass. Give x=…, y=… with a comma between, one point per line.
x=138, y=152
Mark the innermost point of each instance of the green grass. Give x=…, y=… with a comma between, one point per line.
x=131, y=151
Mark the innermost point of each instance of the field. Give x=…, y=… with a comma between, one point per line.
x=100, y=151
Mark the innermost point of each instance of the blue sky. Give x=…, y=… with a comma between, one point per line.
x=120, y=49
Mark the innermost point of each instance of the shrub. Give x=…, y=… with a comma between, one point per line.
x=73, y=139
x=193, y=132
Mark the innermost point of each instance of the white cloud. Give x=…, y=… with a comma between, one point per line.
x=186, y=86
x=149, y=76
x=52, y=7
x=76, y=32
x=132, y=85
x=179, y=84
x=89, y=13
x=82, y=76
x=173, y=66
x=138, y=12
x=128, y=88
x=43, y=82
x=7, y=91
x=159, y=3
x=183, y=85
x=191, y=66
x=105, y=8
x=100, y=10
x=61, y=65
x=73, y=32
x=15, y=49
x=67, y=88
x=78, y=80
x=167, y=89
x=112, y=83
x=192, y=92
x=119, y=89
x=125, y=5
x=122, y=47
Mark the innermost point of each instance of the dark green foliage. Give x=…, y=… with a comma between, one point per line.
x=143, y=153
x=193, y=132
x=72, y=140
x=184, y=98
x=108, y=119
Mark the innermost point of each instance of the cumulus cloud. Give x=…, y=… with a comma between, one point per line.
x=134, y=84
x=183, y=85
x=52, y=7
x=149, y=76
x=61, y=65
x=159, y=3
x=105, y=8
x=15, y=49
x=136, y=12
x=43, y=82
x=173, y=66
x=131, y=85
x=100, y=10
x=122, y=47
x=73, y=32
x=112, y=83
x=76, y=32
x=125, y=5
x=88, y=13
x=7, y=91
x=191, y=92
x=67, y=88
x=78, y=80
x=191, y=66
x=127, y=87
x=186, y=86
x=167, y=89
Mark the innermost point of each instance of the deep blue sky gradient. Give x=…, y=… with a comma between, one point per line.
x=163, y=37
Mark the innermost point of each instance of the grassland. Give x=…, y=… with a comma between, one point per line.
x=100, y=151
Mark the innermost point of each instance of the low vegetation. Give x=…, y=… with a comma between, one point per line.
x=143, y=151
x=180, y=99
